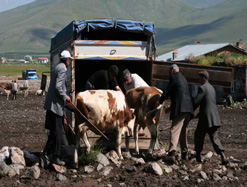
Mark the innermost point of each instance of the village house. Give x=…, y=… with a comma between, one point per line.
x=43, y=60
x=239, y=89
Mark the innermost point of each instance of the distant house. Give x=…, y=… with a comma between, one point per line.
x=43, y=60
x=22, y=61
x=198, y=49
x=28, y=58
x=3, y=60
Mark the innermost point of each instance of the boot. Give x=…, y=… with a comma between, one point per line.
x=224, y=160
x=198, y=157
x=184, y=156
x=171, y=157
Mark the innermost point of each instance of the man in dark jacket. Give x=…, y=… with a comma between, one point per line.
x=209, y=120
x=181, y=110
x=103, y=79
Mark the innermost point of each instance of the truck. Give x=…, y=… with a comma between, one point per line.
x=99, y=43
x=29, y=74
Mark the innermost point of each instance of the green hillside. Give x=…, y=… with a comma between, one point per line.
x=228, y=29
x=203, y=3
x=29, y=28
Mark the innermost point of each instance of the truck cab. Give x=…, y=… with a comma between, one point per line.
x=30, y=74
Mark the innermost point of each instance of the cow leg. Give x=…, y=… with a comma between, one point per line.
x=127, y=142
x=118, y=143
x=88, y=146
x=154, y=137
x=77, y=145
x=136, y=127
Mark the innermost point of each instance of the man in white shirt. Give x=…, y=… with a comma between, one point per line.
x=133, y=81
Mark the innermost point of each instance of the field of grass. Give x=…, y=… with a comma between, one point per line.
x=16, y=69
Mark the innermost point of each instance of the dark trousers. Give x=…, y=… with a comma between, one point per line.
x=200, y=134
x=54, y=123
x=13, y=95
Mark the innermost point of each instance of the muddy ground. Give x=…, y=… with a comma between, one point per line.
x=22, y=125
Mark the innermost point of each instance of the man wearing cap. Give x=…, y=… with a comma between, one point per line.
x=54, y=104
x=181, y=111
x=209, y=120
x=103, y=79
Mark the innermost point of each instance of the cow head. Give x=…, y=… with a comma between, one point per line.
x=129, y=124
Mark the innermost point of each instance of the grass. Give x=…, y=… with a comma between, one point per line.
x=16, y=69
x=90, y=159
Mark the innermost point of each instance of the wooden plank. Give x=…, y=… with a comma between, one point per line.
x=218, y=76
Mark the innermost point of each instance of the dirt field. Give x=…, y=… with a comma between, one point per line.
x=22, y=125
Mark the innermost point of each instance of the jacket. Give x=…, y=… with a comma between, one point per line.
x=179, y=93
x=206, y=98
x=56, y=96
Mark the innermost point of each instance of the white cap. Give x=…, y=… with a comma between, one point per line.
x=66, y=54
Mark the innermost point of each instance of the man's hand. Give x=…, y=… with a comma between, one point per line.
x=68, y=99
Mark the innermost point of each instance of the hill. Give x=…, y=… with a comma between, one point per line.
x=9, y=4
x=227, y=29
x=202, y=3
x=29, y=28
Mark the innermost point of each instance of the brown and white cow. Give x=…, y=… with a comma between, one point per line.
x=5, y=91
x=148, y=112
x=106, y=109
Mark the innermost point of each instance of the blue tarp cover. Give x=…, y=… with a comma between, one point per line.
x=124, y=25
x=68, y=34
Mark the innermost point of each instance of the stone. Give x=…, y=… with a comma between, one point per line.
x=175, y=167
x=230, y=175
x=203, y=175
x=216, y=177
x=31, y=173
x=197, y=168
x=106, y=171
x=217, y=171
x=17, y=168
x=61, y=177
x=186, y=178
x=102, y=159
x=224, y=178
x=139, y=161
x=4, y=168
x=209, y=155
x=167, y=169
x=88, y=169
x=112, y=155
x=17, y=156
x=154, y=168
x=99, y=167
x=199, y=180
x=131, y=169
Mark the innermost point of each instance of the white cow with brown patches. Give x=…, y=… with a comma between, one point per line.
x=148, y=112
x=106, y=109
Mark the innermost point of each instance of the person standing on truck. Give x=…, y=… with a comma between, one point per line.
x=133, y=81
x=103, y=79
x=54, y=105
x=14, y=90
x=25, y=87
x=181, y=111
x=209, y=119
